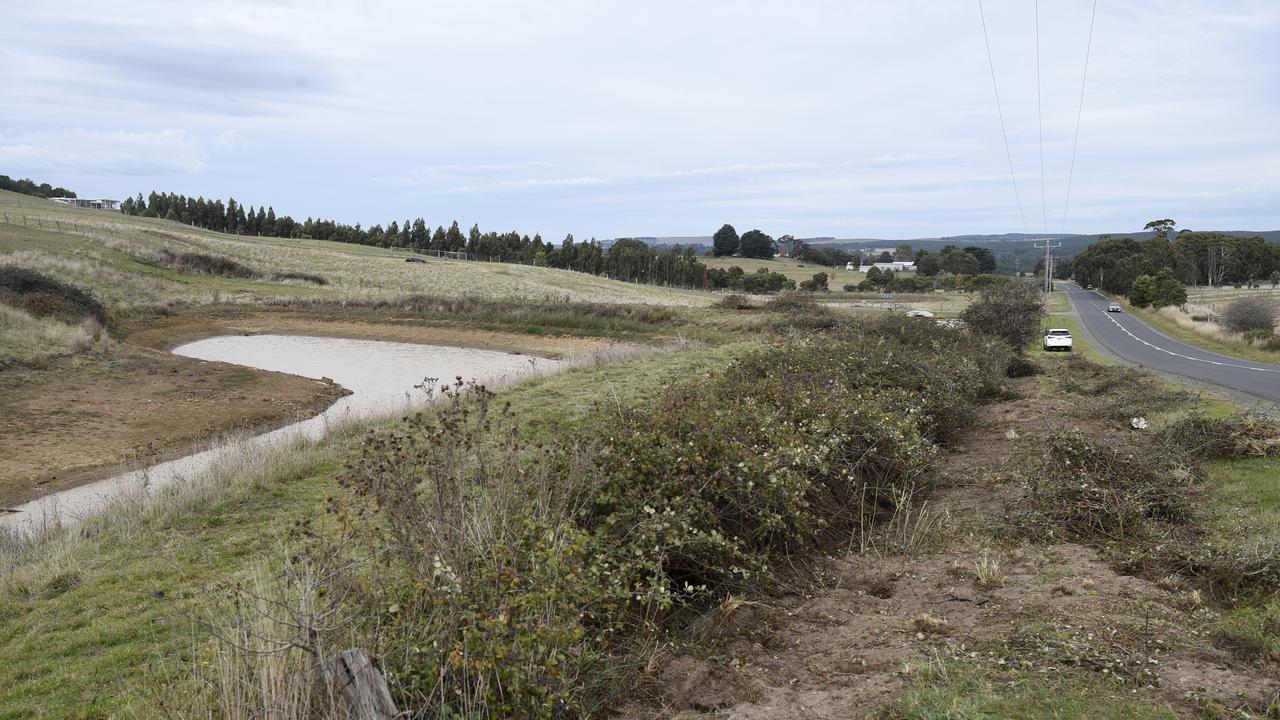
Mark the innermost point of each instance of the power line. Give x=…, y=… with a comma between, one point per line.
x=1079, y=113
x=1044, y=213
x=1000, y=110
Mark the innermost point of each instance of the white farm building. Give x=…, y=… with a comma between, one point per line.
x=894, y=266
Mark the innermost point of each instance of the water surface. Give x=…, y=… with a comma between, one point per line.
x=380, y=375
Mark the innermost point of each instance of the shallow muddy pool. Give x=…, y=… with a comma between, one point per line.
x=384, y=378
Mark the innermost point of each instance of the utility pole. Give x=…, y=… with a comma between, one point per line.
x=1048, y=277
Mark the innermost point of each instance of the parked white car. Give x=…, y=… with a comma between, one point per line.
x=1058, y=339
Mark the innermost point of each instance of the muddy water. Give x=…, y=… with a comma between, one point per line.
x=380, y=375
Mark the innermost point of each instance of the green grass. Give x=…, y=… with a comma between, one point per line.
x=1245, y=510
x=1248, y=498
x=957, y=691
x=112, y=254
x=117, y=259
x=82, y=628
x=95, y=622
x=1228, y=344
x=793, y=269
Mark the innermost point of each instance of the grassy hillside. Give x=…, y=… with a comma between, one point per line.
x=793, y=269
x=120, y=259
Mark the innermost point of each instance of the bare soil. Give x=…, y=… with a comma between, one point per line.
x=84, y=418
x=846, y=636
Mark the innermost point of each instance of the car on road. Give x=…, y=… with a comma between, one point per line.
x=1113, y=307
x=1057, y=339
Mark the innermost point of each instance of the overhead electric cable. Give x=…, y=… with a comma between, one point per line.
x=1044, y=212
x=1079, y=113
x=1000, y=110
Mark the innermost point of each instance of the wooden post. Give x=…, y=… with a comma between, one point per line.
x=356, y=687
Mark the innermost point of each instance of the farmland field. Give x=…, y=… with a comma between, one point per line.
x=794, y=270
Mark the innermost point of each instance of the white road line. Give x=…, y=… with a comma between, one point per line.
x=1188, y=357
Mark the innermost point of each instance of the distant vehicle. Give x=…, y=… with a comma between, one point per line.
x=1089, y=287
x=1113, y=307
x=1058, y=339
x=919, y=313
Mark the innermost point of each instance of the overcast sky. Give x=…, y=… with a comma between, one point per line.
x=600, y=118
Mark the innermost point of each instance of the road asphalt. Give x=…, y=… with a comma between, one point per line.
x=1136, y=342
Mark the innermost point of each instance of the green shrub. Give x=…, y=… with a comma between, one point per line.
x=511, y=578
x=1010, y=311
x=818, y=283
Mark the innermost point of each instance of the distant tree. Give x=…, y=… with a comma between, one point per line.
x=755, y=244
x=904, y=253
x=959, y=262
x=986, y=259
x=1167, y=290
x=1275, y=279
x=885, y=256
x=1142, y=291
x=787, y=245
x=873, y=278
x=419, y=234
x=818, y=283
x=29, y=187
x=927, y=264
x=725, y=241
x=1161, y=228
x=453, y=238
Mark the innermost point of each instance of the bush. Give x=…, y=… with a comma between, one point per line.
x=508, y=574
x=1250, y=313
x=733, y=301
x=1010, y=311
x=304, y=277
x=818, y=283
x=203, y=264
x=44, y=296
x=792, y=302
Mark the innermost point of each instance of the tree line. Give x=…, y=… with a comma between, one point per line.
x=1190, y=257
x=626, y=259
x=30, y=187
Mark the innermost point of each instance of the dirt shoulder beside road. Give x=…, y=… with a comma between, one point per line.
x=952, y=613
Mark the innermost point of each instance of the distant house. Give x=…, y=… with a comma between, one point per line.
x=99, y=204
x=894, y=266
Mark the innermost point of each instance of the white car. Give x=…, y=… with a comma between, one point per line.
x=1058, y=339
x=1113, y=307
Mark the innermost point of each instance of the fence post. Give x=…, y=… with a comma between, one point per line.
x=356, y=687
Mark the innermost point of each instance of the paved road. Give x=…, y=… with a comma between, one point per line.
x=1133, y=340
